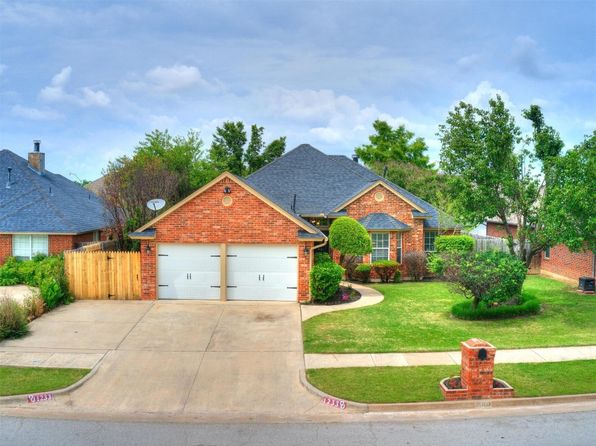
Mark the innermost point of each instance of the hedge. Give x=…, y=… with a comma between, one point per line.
x=324, y=280
x=385, y=269
x=454, y=243
x=528, y=305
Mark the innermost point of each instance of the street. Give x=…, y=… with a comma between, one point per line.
x=554, y=429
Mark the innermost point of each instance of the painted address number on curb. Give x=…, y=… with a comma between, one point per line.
x=39, y=397
x=334, y=402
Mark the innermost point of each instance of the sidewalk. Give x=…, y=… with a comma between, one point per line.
x=554, y=354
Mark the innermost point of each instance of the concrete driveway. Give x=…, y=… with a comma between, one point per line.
x=178, y=357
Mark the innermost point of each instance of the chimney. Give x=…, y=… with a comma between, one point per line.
x=37, y=159
x=9, y=180
x=355, y=158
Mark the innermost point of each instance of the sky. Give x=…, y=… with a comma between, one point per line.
x=90, y=78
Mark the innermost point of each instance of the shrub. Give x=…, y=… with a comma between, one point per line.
x=34, y=306
x=454, y=243
x=491, y=277
x=13, y=323
x=397, y=276
x=350, y=239
x=363, y=271
x=324, y=280
x=415, y=263
x=322, y=257
x=385, y=269
x=527, y=305
x=46, y=273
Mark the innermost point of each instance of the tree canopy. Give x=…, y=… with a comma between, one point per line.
x=393, y=144
x=230, y=152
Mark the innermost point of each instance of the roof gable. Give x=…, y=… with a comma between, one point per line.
x=295, y=218
x=48, y=203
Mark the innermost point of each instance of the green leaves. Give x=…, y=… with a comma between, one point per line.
x=389, y=144
x=349, y=237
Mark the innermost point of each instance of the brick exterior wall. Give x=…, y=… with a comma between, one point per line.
x=204, y=219
x=56, y=243
x=567, y=265
x=5, y=247
x=562, y=264
x=412, y=240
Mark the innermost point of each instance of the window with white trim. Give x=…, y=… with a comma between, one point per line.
x=547, y=252
x=26, y=246
x=398, y=235
x=380, y=246
x=429, y=241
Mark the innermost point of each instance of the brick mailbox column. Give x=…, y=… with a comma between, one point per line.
x=477, y=368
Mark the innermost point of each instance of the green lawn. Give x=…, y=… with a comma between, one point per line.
x=26, y=380
x=412, y=384
x=415, y=317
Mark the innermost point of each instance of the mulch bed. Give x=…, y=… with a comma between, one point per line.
x=344, y=295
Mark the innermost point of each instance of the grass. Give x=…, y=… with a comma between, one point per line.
x=27, y=380
x=415, y=317
x=415, y=384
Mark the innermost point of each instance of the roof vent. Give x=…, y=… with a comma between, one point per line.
x=37, y=159
x=9, y=180
x=355, y=158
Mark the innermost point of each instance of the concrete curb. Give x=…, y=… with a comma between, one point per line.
x=66, y=390
x=451, y=405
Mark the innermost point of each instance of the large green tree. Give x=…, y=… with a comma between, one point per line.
x=393, y=144
x=230, y=152
x=492, y=174
x=571, y=196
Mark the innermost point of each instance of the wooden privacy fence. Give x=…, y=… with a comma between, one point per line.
x=103, y=274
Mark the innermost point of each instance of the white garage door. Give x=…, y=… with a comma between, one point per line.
x=262, y=272
x=189, y=271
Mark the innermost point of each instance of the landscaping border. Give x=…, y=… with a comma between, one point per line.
x=446, y=405
x=65, y=390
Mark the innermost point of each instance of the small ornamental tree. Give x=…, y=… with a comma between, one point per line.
x=350, y=239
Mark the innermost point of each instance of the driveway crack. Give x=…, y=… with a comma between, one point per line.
x=135, y=325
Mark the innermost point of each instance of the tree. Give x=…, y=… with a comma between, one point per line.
x=393, y=144
x=350, y=239
x=570, y=197
x=489, y=177
x=228, y=150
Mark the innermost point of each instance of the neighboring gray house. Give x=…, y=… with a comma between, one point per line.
x=42, y=212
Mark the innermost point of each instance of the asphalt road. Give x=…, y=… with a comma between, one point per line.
x=560, y=429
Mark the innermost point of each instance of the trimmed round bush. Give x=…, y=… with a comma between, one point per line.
x=454, y=243
x=527, y=306
x=363, y=271
x=322, y=257
x=324, y=280
x=385, y=269
x=349, y=237
x=13, y=321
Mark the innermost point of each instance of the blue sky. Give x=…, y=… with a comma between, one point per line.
x=91, y=78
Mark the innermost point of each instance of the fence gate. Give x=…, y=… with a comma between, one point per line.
x=104, y=274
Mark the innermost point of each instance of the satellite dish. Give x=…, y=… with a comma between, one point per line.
x=156, y=204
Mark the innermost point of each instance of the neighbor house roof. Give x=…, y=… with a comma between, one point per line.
x=379, y=221
x=48, y=203
x=321, y=183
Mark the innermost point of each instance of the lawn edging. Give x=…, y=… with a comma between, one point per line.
x=65, y=390
x=447, y=405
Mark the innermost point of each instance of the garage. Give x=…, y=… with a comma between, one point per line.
x=253, y=272
x=262, y=272
x=188, y=271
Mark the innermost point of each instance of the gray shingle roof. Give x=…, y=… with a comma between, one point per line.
x=323, y=182
x=46, y=203
x=382, y=222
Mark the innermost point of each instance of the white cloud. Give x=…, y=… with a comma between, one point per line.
x=163, y=122
x=34, y=113
x=2, y=69
x=56, y=92
x=483, y=92
x=468, y=62
x=174, y=78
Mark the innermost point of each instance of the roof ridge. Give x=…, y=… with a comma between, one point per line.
x=283, y=156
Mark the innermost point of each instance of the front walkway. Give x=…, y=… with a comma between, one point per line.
x=554, y=354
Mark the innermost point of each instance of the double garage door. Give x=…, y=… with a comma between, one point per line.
x=249, y=272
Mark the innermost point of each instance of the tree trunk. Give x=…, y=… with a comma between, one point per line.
x=475, y=302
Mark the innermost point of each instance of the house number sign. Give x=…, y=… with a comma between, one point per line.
x=333, y=402
x=39, y=397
